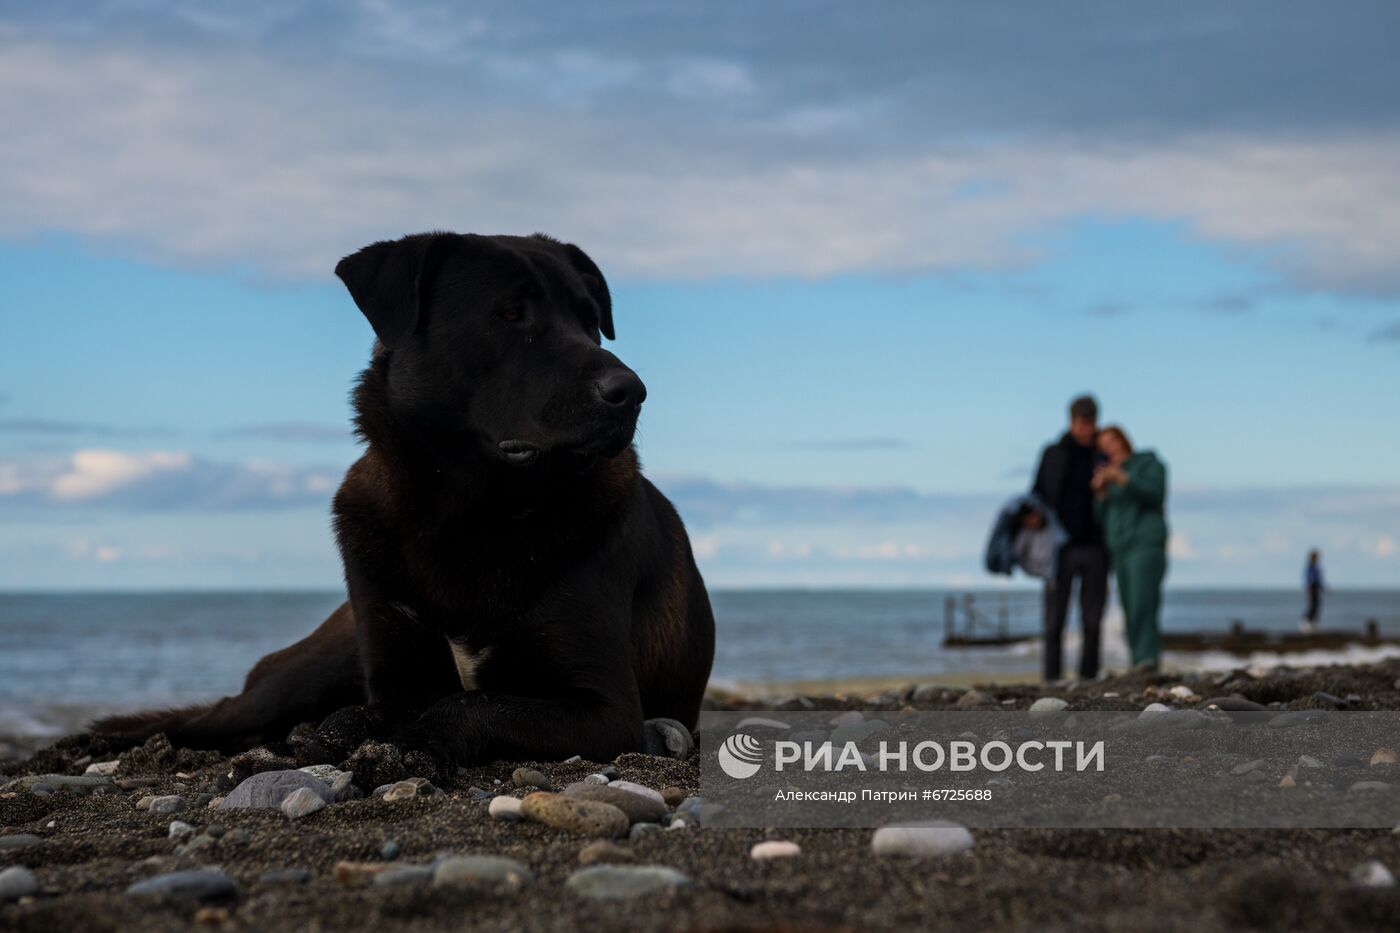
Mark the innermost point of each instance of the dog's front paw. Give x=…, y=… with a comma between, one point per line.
x=376, y=763
x=276, y=756
x=337, y=736
x=423, y=763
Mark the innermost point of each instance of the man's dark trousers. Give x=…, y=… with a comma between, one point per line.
x=1088, y=562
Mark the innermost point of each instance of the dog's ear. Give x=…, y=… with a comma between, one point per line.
x=389, y=281
x=597, y=287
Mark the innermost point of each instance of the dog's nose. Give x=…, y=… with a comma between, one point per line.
x=621, y=388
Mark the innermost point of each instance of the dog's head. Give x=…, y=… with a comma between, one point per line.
x=494, y=342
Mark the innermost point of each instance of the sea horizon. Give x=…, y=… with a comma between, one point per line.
x=67, y=655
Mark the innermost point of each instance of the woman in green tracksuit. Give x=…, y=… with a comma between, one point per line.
x=1131, y=489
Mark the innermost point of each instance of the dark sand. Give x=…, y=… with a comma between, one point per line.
x=1023, y=879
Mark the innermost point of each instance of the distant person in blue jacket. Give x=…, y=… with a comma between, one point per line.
x=1063, y=482
x=1313, y=586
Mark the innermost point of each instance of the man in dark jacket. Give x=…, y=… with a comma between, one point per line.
x=1063, y=481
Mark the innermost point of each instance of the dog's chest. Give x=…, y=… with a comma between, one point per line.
x=467, y=661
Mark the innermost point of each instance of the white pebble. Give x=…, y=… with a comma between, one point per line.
x=775, y=848
x=1372, y=874
x=1155, y=708
x=934, y=838
x=505, y=807
x=179, y=828
x=105, y=768
x=1047, y=705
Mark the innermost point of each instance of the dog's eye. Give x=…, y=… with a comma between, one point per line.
x=511, y=314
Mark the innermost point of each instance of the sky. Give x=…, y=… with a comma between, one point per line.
x=862, y=258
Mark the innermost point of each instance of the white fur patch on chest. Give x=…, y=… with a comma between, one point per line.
x=468, y=663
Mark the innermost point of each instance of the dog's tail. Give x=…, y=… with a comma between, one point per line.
x=138, y=727
x=225, y=725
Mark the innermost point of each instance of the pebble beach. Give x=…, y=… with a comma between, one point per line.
x=156, y=838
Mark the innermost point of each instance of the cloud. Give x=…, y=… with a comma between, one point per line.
x=92, y=474
x=939, y=67
x=84, y=549
x=94, y=502
x=160, y=481
x=52, y=428
x=219, y=157
x=290, y=431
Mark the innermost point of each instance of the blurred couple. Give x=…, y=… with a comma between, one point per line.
x=1098, y=503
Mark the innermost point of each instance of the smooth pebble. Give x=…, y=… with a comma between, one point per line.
x=171, y=803
x=638, y=807
x=603, y=852
x=476, y=869
x=1372, y=874
x=505, y=807
x=934, y=838
x=267, y=789
x=16, y=882
x=199, y=884
x=641, y=830
x=611, y=882
x=667, y=738
x=634, y=788
x=529, y=777
x=302, y=802
x=581, y=816
x=404, y=875
x=19, y=841
x=775, y=848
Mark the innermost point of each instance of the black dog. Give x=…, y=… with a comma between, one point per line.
x=517, y=589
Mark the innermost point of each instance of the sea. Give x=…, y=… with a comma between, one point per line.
x=66, y=657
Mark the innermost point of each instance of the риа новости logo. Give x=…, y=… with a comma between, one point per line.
x=740, y=755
